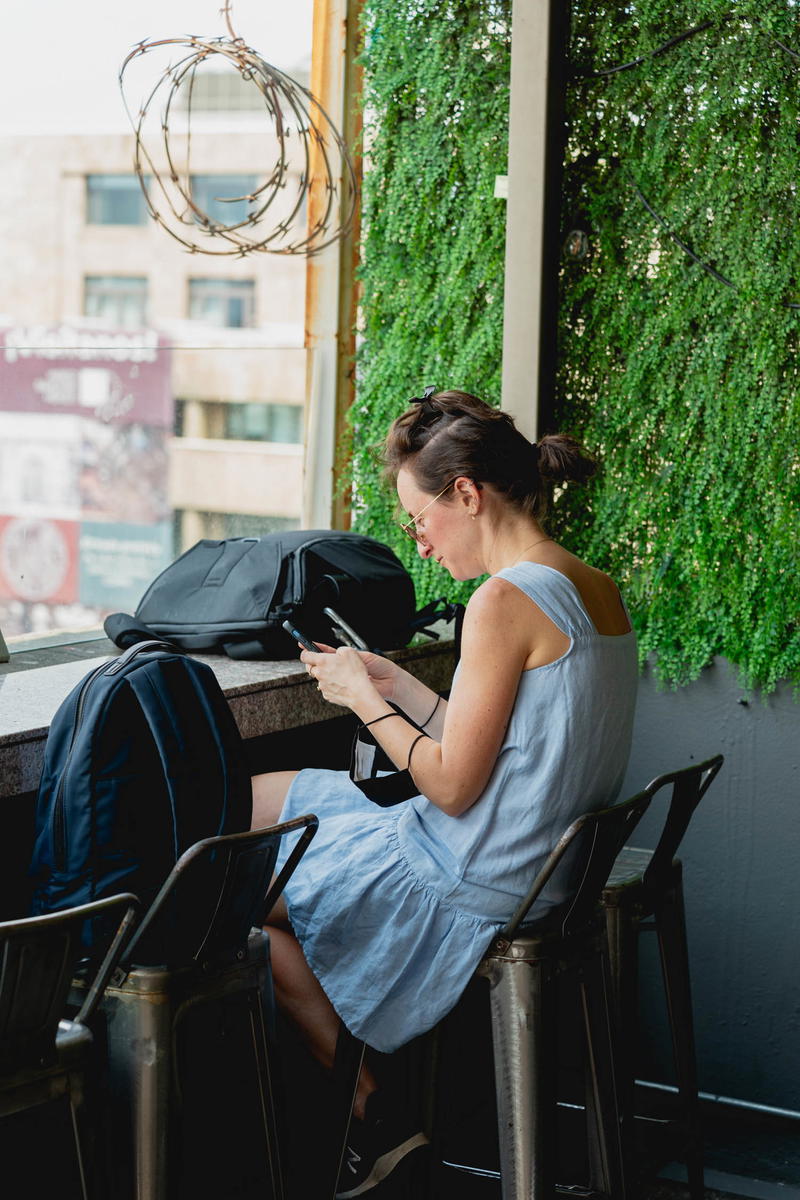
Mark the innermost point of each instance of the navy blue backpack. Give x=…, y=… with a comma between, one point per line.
x=143, y=759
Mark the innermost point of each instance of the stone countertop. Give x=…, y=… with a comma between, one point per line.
x=265, y=697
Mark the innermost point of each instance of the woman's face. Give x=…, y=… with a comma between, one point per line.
x=442, y=525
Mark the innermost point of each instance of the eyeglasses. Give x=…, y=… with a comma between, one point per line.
x=410, y=526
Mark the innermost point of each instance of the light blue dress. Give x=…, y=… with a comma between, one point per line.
x=394, y=907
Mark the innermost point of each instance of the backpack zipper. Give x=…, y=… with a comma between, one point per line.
x=299, y=573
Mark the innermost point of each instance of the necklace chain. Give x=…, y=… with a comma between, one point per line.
x=544, y=539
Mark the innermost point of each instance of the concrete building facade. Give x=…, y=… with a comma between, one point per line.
x=90, y=284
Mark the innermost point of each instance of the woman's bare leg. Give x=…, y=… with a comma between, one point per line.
x=269, y=796
x=300, y=996
x=297, y=990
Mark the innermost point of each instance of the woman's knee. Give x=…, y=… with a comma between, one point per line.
x=269, y=796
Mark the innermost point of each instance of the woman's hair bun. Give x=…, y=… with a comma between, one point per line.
x=563, y=460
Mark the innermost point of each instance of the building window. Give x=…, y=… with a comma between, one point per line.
x=224, y=198
x=229, y=525
x=121, y=300
x=249, y=422
x=115, y=200
x=228, y=302
x=221, y=91
x=264, y=423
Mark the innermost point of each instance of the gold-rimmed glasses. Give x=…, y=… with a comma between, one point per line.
x=410, y=527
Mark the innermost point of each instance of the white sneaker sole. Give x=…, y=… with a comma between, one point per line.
x=384, y=1166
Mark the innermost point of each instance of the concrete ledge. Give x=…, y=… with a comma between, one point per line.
x=265, y=697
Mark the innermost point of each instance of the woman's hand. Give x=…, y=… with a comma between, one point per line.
x=342, y=676
x=382, y=672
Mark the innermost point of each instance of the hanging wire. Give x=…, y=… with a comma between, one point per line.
x=677, y=40
x=687, y=249
x=308, y=166
x=662, y=49
x=670, y=44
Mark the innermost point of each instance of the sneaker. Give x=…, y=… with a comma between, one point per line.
x=374, y=1148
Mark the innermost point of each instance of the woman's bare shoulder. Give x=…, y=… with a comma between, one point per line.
x=495, y=596
x=510, y=617
x=598, y=591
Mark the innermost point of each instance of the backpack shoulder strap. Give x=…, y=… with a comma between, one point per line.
x=440, y=610
x=192, y=726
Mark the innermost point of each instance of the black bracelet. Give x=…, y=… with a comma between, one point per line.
x=375, y=720
x=418, y=738
x=430, y=718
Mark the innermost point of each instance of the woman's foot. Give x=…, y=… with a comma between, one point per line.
x=375, y=1146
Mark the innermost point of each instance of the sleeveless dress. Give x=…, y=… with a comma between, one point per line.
x=394, y=907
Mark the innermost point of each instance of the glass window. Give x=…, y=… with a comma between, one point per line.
x=223, y=198
x=222, y=91
x=264, y=422
x=119, y=299
x=228, y=525
x=97, y=494
x=247, y=422
x=115, y=200
x=228, y=302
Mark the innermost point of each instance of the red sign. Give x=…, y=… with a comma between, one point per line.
x=38, y=559
x=119, y=378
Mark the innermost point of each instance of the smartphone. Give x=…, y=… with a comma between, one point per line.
x=304, y=641
x=345, y=631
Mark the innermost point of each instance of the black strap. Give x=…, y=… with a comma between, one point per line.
x=418, y=738
x=459, y=622
x=436, y=610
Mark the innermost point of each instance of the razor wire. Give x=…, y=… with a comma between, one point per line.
x=307, y=161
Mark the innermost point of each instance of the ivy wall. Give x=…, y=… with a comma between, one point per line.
x=680, y=294
x=436, y=118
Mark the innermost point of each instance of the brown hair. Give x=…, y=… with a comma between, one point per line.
x=453, y=433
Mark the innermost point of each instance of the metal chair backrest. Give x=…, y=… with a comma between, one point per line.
x=39, y=957
x=573, y=876
x=216, y=893
x=689, y=785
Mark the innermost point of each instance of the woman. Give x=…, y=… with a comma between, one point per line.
x=393, y=908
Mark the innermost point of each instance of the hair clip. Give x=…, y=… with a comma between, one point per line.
x=426, y=395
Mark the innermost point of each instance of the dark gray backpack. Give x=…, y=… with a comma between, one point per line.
x=232, y=596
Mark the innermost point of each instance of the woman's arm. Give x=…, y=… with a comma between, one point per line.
x=391, y=681
x=426, y=707
x=496, y=640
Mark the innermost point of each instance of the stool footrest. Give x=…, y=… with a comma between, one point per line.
x=561, y=1189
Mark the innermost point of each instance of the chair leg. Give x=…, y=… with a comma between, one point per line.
x=523, y=1034
x=623, y=959
x=84, y=1158
x=140, y=1078
x=263, y=1048
x=671, y=926
x=347, y=1064
x=603, y=1124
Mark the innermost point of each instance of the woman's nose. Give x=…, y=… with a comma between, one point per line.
x=423, y=549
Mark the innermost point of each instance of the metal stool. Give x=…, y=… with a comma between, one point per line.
x=45, y=1058
x=522, y=966
x=648, y=884
x=189, y=1042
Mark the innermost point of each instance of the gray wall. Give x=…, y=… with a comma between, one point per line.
x=741, y=859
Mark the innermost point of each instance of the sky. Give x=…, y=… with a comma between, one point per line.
x=61, y=60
